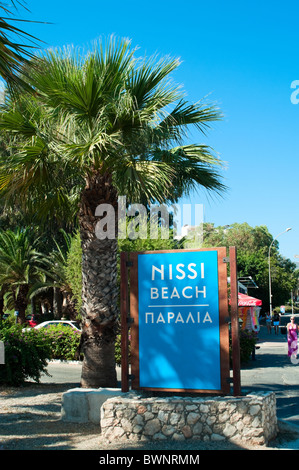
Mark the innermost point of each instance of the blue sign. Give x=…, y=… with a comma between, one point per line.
x=179, y=338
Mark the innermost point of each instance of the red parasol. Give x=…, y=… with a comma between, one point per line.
x=247, y=301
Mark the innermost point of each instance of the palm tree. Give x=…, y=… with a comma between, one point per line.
x=20, y=263
x=13, y=54
x=115, y=125
x=57, y=277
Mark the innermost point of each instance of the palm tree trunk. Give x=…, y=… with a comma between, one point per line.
x=57, y=303
x=99, y=288
x=21, y=303
x=1, y=306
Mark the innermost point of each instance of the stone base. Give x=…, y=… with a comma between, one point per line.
x=250, y=419
x=83, y=405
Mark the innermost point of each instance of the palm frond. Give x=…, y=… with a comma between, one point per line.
x=149, y=87
x=106, y=112
x=195, y=168
x=144, y=179
x=14, y=55
x=19, y=257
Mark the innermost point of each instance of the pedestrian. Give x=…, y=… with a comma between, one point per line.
x=276, y=321
x=269, y=322
x=292, y=329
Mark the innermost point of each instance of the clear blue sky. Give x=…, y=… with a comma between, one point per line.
x=245, y=56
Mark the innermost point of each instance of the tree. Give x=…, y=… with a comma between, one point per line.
x=56, y=276
x=252, y=259
x=20, y=263
x=103, y=125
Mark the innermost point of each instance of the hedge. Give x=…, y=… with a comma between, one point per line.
x=27, y=351
x=64, y=342
x=26, y=355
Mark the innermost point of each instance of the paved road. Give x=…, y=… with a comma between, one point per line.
x=63, y=373
x=272, y=370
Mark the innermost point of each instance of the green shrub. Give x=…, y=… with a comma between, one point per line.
x=248, y=341
x=26, y=354
x=63, y=341
x=288, y=309
x=73, y=270
x=118, y=349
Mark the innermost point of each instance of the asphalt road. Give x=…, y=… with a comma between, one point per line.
x=63, y=373
x=272, y=370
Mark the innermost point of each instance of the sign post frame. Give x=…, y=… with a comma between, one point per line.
x=235, y=321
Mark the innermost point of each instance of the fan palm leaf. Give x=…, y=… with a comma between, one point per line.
x=13, y=53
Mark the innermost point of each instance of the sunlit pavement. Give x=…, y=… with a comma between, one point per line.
x=273, y=370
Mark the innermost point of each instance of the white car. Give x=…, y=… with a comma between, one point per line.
x=46, y=324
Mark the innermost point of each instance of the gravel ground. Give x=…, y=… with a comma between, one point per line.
x=30, y=420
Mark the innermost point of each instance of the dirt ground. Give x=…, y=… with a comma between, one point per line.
x=30, y=420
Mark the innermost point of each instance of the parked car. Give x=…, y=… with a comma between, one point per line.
x=47, y=324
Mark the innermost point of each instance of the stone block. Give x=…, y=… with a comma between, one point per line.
x=83, y=405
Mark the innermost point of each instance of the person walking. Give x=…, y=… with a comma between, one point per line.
x=292, y=331
x=269, y=322
x=276, y=321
